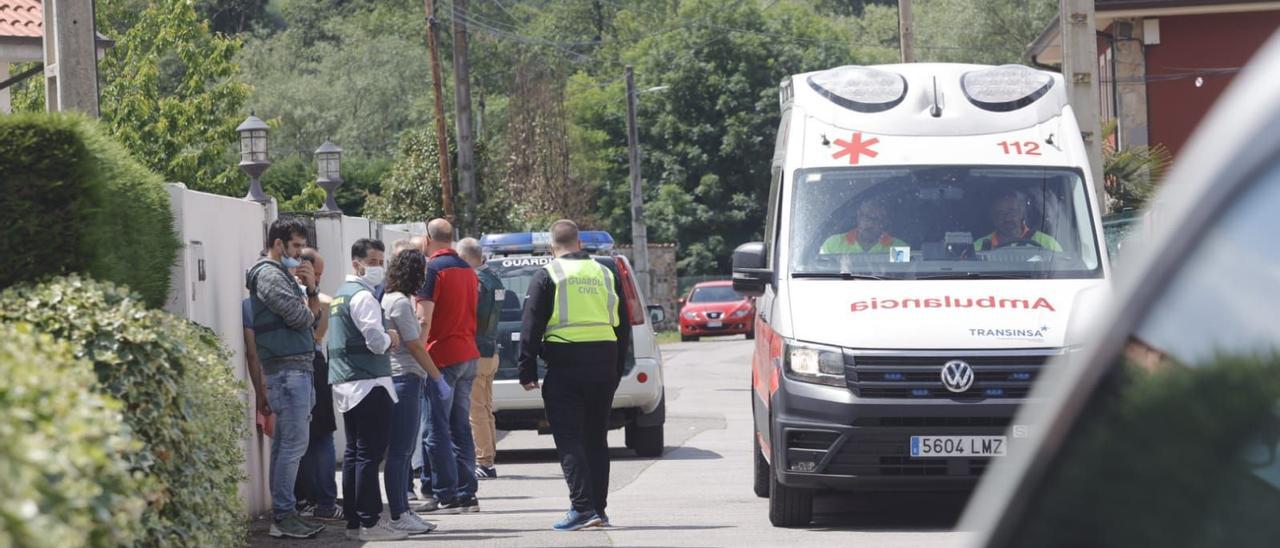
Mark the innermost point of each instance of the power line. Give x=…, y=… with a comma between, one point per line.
x=529, y=40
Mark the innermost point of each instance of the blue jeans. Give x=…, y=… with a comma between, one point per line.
x=404, y=429
x=291, y=397
x=450, y=448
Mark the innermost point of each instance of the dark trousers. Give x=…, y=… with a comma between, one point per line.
x=578, y=395
x=316, y=471
x=368, y=433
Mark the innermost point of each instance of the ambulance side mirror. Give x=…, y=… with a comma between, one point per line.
x=750, y=276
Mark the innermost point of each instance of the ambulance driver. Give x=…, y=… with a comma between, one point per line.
x=870, y=235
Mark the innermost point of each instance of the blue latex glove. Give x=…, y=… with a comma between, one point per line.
x=443, y=387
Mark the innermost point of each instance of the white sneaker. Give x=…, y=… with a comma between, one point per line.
x=381, y=532
x=428, y=504
x=412, y=524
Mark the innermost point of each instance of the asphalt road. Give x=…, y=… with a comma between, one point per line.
x=697, y=494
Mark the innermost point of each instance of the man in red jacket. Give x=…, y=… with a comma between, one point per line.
x=446, y=308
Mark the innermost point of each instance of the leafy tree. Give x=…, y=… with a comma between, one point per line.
x=411, y=191
x=169, y=92
x=979, y=31
x=855, y=8
x=708, y=136
x=234, y=16
x=538, y=165
x=357, y=74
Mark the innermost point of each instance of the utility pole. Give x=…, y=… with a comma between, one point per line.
x=442, y=133
x=70, y=57
x=906, y=32
x=1080, y=70
x=639, y=235
x=462, y=105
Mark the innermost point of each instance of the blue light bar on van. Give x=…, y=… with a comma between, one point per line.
x=511, y=243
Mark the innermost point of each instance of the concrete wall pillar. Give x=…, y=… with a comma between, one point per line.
x=5, y=105
x=1131, y=74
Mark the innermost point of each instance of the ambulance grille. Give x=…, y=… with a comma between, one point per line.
x=997, y=374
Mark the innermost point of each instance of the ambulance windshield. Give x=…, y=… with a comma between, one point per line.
x=939, y=222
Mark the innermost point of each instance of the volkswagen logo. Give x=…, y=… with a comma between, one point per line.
x=957, y=376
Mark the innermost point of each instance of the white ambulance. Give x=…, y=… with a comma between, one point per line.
x=931, y=229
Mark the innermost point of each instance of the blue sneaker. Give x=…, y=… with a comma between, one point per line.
x=602, y=520
x=574, y=520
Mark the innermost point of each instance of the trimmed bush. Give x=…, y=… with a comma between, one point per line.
x=75, y=201
x=180, y=398
x=64, y=452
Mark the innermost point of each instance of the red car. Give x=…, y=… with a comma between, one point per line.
x=714, y=308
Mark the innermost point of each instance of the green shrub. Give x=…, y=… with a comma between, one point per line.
x=75, y=201
x=63, y=452
x=180, y=399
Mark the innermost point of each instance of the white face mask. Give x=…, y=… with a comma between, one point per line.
x=373, y=275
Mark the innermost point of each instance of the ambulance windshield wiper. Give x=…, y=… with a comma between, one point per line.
x=975, y=276
x=838, y=276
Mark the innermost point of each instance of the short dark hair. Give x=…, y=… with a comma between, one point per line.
x=361, y=248
x=284, y=230
x=564, y=233
x=407, y=272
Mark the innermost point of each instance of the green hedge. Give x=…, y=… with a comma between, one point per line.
x=180, y=396
x=63, y=453
x=75, y=201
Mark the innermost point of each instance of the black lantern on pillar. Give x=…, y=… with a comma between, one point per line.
x=253, y=155
x=328, y=175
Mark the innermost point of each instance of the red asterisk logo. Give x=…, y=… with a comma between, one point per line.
x=856, y=148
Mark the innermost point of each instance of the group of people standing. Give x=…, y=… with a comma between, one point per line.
x=406, y=354
x=404, y=351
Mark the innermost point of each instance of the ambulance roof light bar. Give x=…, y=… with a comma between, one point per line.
x=1005, y=88
x=532, y=243
x=860, y=88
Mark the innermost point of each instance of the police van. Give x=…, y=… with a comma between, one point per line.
x=639, y=405
x=931, y=232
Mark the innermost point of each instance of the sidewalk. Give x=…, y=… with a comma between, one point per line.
x=518, y=508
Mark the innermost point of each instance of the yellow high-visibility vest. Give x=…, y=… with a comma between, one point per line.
x=586, y=305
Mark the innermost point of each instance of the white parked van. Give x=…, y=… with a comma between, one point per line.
x=931, y=229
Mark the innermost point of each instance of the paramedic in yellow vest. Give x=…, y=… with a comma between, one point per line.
x=870, y=235
x=1009, y=216
x=575, y=319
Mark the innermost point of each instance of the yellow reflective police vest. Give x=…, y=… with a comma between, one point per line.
x=586, y=305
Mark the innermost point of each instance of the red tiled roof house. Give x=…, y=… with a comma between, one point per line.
x=21, y=33
x=22, y=39
x=1162, y=63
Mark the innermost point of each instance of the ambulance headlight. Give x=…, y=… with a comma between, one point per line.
x=860, y=88
x=1005, y=88
x=815, y=364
